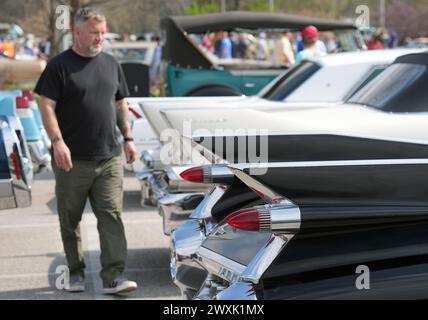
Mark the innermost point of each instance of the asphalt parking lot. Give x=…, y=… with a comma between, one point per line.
x=31, y=250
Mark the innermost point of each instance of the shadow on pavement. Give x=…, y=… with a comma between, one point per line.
x=148, y=267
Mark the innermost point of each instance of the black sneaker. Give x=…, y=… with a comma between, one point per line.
x=120, y=285
x=76, y=284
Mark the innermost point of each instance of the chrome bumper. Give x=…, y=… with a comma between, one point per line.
x=175, y=209
x=40, y=155
x=7, y=197
x=187, y=274
x=151, y=159
x=153, y=187
x=215, y=288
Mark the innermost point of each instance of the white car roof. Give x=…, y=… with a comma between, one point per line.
x=342, y=74
x=370, y=56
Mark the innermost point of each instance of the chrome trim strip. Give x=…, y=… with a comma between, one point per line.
x=264, y=258
x=173, y=199
x=259, y=73
x=323, y=133
x=171, y=209
x=285, y=217
x=268, y=195
x=217, y=172
x=341, y=163
x=186, y=239
x=219, y=265
x=144, y=175
x=203, y=210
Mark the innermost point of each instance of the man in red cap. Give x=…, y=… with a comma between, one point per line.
x=310, y=37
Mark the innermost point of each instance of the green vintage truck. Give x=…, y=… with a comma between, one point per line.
x=192, y=71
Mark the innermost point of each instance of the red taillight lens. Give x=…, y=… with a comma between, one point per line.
x=195, y=175
x=135, y=113
x=250, y=219
x=15, y=162
x=29, y=95
x=282, y=218
x=22, y=103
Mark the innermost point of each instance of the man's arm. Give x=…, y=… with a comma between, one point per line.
x=61, y=152
x=125, y=129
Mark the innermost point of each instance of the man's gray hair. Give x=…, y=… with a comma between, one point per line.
x=84, y=14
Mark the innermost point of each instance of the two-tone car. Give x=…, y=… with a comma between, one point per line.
x=335, y=174
x=315, y=84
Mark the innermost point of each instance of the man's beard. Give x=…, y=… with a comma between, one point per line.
x=94, y=50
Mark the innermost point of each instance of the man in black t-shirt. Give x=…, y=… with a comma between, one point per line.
x=82, y=101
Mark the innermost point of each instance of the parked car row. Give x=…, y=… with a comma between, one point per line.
x=343, y=188
x=24, y=147
x=343, y=185
x=317, y=83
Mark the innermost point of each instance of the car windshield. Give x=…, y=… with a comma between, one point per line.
x=128, y=54
x=286, y=83
x=402, y=87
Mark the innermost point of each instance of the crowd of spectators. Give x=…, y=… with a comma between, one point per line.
x=287, y=48
x=278, y=48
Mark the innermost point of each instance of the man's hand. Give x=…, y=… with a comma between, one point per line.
x=62, y=156
x=130, y=152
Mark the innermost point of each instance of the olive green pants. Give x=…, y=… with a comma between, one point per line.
x=102, y=183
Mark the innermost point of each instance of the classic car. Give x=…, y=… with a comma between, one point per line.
x=15, y=191
x=14, y=123
x=328, y=80
x=191, y=71
x=337, y=186
x=20, y=71
x=144, y=137
x=15, y=104
x=136, y=59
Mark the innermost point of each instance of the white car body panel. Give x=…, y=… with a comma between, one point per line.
x=340, y=74
x=347, y=119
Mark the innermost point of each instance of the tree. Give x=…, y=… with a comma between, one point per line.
x=203, y=7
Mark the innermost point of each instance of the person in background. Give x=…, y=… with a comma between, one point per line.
x=242, y=46
x=155, y=67
x=393, y=39
x=208, y=42
x=262, y=52
x=310, y=36
x=331, y=42
x=225, y=46
x=321, y=47
x=283, y=53
x=375, y=42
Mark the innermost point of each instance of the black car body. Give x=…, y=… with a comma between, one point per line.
x=324, y=207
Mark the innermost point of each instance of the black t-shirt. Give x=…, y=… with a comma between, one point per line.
x=85, y=91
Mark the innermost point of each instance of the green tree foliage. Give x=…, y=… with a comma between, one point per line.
x=203, y=7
